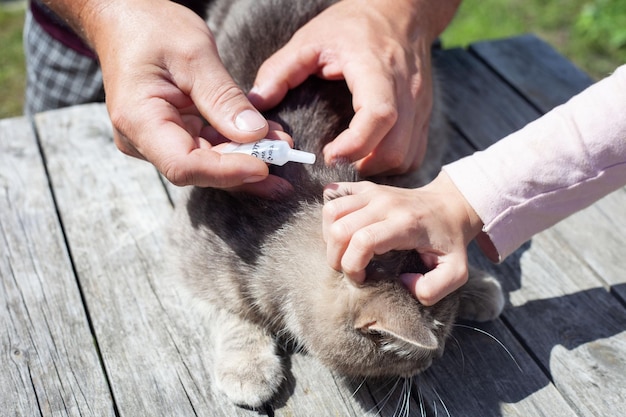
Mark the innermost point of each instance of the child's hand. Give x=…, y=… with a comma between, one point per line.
x=364, y=219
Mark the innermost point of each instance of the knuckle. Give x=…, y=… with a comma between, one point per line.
x=363, y=241
x=177, y=175
x=395, y=159
x=384, y=113
x=339, y=232
x=349, y=268
x=330, y=210
x=224, y=96
x=197, y=46
x=368, y=186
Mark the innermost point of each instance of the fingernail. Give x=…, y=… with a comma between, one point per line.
x=250, y=121
x=255, y=90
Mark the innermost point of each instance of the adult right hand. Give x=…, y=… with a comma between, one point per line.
x=162, y=78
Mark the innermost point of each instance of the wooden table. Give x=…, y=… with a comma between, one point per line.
x=92, y=325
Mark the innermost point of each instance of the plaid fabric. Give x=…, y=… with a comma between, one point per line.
x=56, y=76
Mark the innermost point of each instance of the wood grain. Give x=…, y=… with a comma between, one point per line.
x=115, y=211
x=534, y=68
x=95, y=324
x=560, y=308
x=49, y=363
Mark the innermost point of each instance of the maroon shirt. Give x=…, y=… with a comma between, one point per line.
x=59, y=30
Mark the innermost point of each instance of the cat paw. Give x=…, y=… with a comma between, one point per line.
x=482, y=298
x=249, y=381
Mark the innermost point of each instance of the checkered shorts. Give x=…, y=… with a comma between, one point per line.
x=56, y=76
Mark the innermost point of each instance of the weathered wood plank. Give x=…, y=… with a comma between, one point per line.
x=604, y=220
x=49, y=364
x=484, y=105
x=486, y=372
x=475, y=396
x=596, y=235
x=315, y=391
x=552, y=80
x=154, y=349
x=485, y=109
x=547, y=79
x=490, y=374
x=573, y=326
x=114, y=210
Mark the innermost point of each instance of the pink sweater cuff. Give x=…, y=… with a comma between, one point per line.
x=553, y=167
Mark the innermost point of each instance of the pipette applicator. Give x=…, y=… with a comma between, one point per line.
x=276, y=152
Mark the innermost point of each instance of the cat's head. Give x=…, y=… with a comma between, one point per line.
x=377, y=328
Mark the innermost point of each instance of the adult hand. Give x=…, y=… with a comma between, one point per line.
x=364, y=219
x=382, y=50
x=162, y=78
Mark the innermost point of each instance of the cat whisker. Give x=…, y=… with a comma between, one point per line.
x=420, y=397
x=401, y=407
x=458, y=344
x=352, y=382
x=495, y=339
x=406, y=398
x=441, y=402
x=383, y=402
x=353, y=395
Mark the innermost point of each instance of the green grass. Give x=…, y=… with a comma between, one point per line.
x=591, y=33
x=12, y=68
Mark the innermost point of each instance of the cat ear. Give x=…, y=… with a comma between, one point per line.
x=398, y=331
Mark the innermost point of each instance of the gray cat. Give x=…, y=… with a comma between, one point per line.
x=259, y=267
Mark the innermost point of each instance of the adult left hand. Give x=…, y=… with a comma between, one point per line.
x=382, y=50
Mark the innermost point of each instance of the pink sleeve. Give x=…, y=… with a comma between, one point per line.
x=553, y=167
